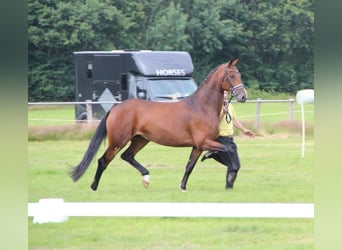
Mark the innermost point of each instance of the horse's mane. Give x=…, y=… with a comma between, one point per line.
x=208, y=76
x=202, y=83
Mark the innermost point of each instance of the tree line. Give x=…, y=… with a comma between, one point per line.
x=274, y=39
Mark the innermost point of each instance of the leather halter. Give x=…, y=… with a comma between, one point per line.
x=233, y=89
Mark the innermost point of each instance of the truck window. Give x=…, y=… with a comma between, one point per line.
x=172, y=88
x=141, y=90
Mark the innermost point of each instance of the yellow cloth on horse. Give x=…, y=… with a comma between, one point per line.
x=227, y=129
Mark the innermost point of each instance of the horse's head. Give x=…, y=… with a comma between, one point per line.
x=232, y=81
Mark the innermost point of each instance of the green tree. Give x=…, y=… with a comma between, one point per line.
x=273, y=38
x=56, y=30
x=278, y=43
x=167, y=31
x=208, y=31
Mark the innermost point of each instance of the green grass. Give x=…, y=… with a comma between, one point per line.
x=272, y=171
x=266, y=162
x=173, y=233
x=46, y=115
x=273, y=111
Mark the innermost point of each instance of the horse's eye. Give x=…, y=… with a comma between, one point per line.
x=232, y=76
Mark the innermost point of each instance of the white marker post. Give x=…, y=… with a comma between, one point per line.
x=305, y=96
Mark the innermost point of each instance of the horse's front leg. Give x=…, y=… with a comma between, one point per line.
x=195, y=153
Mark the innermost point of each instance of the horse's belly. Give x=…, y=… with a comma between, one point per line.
x=168, y=137
x=173, y=142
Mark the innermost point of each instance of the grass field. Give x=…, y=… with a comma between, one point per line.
x=272, y=171
x=173, y=233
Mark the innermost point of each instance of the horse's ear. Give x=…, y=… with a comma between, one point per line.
x=233, y=62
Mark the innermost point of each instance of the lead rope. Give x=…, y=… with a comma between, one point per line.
x=228, y=115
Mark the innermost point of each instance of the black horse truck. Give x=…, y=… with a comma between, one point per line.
x=110, y=77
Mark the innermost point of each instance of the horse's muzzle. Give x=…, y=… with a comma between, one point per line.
x=243, y=98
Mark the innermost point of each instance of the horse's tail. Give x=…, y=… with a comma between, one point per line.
x=93, y=147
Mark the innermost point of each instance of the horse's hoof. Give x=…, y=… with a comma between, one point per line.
x=146, y=180
x=145, y=183
x=93, y=187
x=182, y=189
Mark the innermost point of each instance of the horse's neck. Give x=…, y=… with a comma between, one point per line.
x=210, y=95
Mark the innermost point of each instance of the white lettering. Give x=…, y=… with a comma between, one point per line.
x=170, y=72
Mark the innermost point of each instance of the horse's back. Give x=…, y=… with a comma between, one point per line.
x=165, y=123
x=150, y=109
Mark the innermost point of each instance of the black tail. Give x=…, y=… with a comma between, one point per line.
x=93, y=147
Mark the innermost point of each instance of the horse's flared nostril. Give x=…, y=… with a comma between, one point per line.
x=243, y=98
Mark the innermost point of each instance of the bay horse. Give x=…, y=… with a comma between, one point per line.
x=190, y=122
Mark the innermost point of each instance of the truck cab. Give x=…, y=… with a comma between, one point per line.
x=110, y=77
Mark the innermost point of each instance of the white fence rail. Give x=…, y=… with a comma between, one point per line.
x=291, y=101
x=56, y=210
x=257, y=114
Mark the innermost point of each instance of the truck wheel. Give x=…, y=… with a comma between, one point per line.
x=82, y=117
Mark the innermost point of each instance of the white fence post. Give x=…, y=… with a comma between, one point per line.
x=257, y=114
x=304, y=96
x=89, y=111
x=292, y=101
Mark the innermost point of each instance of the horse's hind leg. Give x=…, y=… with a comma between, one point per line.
x=137, y=143
x=195, y=153
x=103, y=162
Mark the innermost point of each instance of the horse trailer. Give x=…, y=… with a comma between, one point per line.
x=110, y=77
